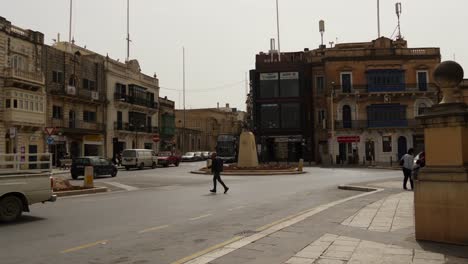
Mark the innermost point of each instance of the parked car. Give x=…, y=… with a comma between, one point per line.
x=198, y=156
x=189, y=156
x=101, y=166
x=139, y=158
x=206, y=155
x=23, y=187
x=167, y=158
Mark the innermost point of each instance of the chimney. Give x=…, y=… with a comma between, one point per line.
x=227, y=105
x=217, y=105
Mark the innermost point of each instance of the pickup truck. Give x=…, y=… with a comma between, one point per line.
x=23, y=187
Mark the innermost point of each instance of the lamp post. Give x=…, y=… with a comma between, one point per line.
x=332, y=122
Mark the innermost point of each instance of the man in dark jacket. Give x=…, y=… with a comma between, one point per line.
x=216, y=169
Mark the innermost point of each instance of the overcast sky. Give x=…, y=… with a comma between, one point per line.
x=221, y=37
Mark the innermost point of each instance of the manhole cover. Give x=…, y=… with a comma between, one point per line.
x=246, y=233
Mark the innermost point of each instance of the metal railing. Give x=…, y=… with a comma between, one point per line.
x=363, y=124
x=25, y=163
x=396, y=88
x=135, y=100
x=77, y=124
x=125, y=126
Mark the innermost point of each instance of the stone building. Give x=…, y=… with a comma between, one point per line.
x=374, y=91
x=76, y=103
x=377, y=89
x=166, y=124
x=131, y=115
x=210, y=122
x=22, y=92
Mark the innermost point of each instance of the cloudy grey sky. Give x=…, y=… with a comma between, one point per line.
x=221, y=37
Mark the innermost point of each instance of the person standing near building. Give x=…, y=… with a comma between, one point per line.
x=216, y=169
x=407, y=163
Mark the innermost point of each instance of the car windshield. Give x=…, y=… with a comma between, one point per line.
x=164, y=154
x=82, y=161
x=198, y=153
x=189, y=154
x=129, y=153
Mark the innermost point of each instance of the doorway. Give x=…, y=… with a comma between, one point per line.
x=402, y=147
x=32, y=150
x=71, y=119
x=346, y=116
x=370, y=150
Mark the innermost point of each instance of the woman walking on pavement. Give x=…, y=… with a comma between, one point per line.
x=216, y=169
x=407, y=162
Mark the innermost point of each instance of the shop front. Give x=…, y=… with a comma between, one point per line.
x=282, y=148
x=93, y=145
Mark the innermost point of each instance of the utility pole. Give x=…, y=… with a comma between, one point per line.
x=378, y=18
x=183, y=95
x=332, y=122
x=278, y=30
x=70, y=24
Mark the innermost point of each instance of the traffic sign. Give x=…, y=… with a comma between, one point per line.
x=156, y=138
x=49, y=130
x=50, y=140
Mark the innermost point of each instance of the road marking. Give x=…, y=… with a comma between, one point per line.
x=236, y=208
x=123, y=186
x=199, y=217
x=152, y=229
x=101, y=242
x=220, y=250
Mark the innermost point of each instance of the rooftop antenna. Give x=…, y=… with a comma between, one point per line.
x=272, y=48
x=331, y=44
x=278, y=30
x=322, y=30
x=70, y=24
x=378, y=18
x=128, y=30
x=398, y=13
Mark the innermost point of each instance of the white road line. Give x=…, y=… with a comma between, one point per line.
x=199, y=217
x=153, y=229
x=224, y=249
x=122, y=186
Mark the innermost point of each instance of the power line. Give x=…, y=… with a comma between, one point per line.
x=205, y=89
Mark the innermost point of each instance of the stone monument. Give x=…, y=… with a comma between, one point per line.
x=441, y=190
x=247, y=151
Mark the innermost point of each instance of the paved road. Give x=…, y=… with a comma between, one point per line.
x=168, y=214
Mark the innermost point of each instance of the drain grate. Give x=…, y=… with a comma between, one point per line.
x=246, y=233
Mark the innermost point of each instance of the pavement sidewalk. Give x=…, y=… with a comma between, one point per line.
x=373, y=228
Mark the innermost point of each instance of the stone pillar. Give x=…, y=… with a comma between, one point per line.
x=441, y=191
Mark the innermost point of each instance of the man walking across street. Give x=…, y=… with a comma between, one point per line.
x=216, y=169
x=407, y=162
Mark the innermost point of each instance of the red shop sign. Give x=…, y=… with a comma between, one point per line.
x=348, y=139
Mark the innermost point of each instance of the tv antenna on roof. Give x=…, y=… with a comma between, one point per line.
x=322, y=30
x=398, y=13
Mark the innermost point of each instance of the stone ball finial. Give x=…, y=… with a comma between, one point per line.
x=448, y=75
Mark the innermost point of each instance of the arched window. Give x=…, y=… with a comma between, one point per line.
x=422, y=108
x=346, y=116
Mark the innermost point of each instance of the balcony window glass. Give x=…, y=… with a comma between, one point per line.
x=289, y=84
x=422, y=108
x=31, y=106
x=41, y=107
x=386, y=80
x=57, y=112
x=387, y=144
x=26, y=105
x=387, y=115
x=21, y=104
x=89, y=116
x=346, y=116
x=422, y=80
x=269, y=86
x=269, y=116
x=18, y=62
x=7, y=103
x=57, y=77
x=346, y=82
x=319, y=84
x=290, y=116
x=15, y=103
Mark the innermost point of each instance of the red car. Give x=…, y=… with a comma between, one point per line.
x=167, y=158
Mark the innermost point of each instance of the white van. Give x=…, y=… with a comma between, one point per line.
x=139, y=158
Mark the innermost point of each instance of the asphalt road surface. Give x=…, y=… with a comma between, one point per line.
x=163, y=215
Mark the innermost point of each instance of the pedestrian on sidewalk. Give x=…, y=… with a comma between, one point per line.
x=407, y=163
x=216, y=169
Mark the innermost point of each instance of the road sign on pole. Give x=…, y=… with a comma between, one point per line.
x=156, y=138
x=50, y=130
x=50, y=140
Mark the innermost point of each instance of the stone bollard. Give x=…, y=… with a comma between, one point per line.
x=88, y=177
x=300, y=166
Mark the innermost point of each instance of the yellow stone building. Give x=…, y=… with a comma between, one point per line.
x=22, y=91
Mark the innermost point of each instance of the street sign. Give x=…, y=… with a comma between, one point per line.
x=50, y=140
x=49, y=130
x=156, y=138
x=348, y=139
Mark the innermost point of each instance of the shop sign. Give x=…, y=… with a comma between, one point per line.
x=93, y=139
x=289, y=76
x=268, y=76
x=348, y=139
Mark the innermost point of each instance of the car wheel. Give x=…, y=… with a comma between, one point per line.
x=166, y=165
x=142, y=166
x=153, y=166
x=11, y=207
x=127, y=167
x=177, y=164
x=74, y=176
x=114, y=173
